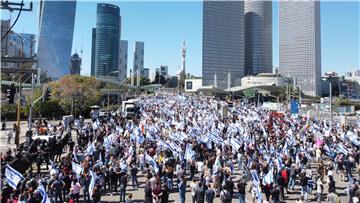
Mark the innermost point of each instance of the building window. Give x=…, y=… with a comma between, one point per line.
x=189, y=85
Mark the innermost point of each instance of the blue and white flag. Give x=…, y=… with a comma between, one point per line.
x=12, y=176
x=107, y=142
x=140, y=139
x=92, y=183
x=90, y=148
x=269, y=177
x=343, y=149
x=152, y=162
x=235, y=144
x=43, y=193
x=76, y=168
x=255, y=177
x=279, y=163
x=189, y=153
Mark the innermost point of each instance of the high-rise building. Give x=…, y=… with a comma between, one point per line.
x=300, y=44
x=258, y=37
x=5, y=26
x=107, y=39
x=146, y=73
x=56, y=23
x=93, y=47
x=123, y=59
x=164, y=70
x=223, y=42
x=75, y=64
x=138, y=65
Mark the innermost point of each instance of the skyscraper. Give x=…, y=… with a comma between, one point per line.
x=56, y=23
x=123, y=58
x=107, y=39
x=300, y=43
x=138, y=65
x=258, y=37
x=223, y=42
x=93, y=47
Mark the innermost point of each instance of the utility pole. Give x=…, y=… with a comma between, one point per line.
x=32, y=95
x=17, y=135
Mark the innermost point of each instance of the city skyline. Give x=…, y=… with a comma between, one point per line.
x=340, y=50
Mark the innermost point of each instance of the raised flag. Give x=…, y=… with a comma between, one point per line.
x=43, y=193
x=12, y=176
x=92, y=183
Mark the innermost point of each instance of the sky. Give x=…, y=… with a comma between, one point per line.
x=164, y=25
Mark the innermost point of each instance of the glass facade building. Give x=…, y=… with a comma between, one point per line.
x=56, y=23
x=138, y=64
x=123, y=59
x=300, y=44
x=258, y=37
x=223, y=42
x=93, y=45
x=107, y=39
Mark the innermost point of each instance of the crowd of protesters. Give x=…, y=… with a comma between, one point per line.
x=179, y=142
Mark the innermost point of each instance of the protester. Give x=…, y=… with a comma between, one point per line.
x=172, y=138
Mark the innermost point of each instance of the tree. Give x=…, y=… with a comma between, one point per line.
x=76, y=91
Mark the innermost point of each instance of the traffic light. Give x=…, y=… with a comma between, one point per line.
x=10, y=94
x=47, y=94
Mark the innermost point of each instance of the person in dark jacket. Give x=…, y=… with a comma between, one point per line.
x=241, y=186
x=200, y=193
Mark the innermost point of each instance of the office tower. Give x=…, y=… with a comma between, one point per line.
x=258, y=37
x=146, y=73
x=223, y=42
x=138, y=65
x=107, y=39
x=56, y=23
x=93, y=47
x=300, y=44
x=123, y=58
x=164, y=70
x=75, y=64
x=5, y=26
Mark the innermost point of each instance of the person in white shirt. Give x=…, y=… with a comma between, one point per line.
x=193, y=188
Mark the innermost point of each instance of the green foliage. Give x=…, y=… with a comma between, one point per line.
x=79, y=91
x=8, y=111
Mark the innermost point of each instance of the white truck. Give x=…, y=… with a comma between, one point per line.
x=128, y=108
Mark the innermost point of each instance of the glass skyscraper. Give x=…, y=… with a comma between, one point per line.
x=56, y=23
x=107, y=39
x=223, y=42
x=258, y=37
x=300, y=44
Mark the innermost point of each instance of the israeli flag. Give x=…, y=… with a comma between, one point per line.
x=92, y=183
x=43, y=193
x=234, y=144
x=107, y=142
x=255, y=177
x=12, y=176
x=90, y=148
x=279, y=163
x=76, y=168
x=269, y=177
x=152, y=162
x=189, y=152
x=343, y=149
